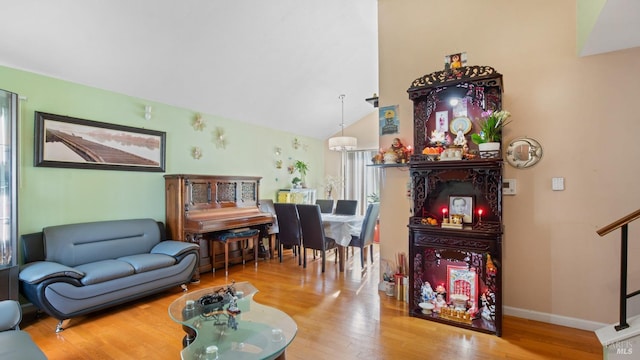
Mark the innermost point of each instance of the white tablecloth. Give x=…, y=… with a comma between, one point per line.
x=341, y=227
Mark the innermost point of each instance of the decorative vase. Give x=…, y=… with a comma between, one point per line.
x=489, y=150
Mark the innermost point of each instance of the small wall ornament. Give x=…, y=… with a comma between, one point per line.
x=198, y=123
x=220, y=138
x=196, y=152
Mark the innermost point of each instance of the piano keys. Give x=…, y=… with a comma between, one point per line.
x=199, y=206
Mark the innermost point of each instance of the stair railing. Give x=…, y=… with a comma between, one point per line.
x=622, y=223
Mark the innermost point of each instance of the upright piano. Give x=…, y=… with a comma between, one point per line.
x=200, y=206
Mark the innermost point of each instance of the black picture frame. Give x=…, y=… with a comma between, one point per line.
x=68, y=142
x=468, y=207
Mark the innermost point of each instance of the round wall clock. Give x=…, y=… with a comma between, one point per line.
x=460, y=123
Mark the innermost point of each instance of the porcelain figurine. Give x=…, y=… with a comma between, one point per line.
x=428, y=294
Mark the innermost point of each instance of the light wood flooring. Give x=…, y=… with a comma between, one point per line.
x=339, y=316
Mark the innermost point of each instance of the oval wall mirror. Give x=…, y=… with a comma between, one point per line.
x=523, y=152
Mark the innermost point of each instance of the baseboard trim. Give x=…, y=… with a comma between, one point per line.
x=553, y=319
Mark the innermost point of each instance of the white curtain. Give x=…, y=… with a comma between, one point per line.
x=360, y=181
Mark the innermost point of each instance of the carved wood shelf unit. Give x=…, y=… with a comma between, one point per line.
x=464, y=261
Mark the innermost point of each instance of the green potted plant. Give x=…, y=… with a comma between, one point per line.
x=491, y=126
x=296, y=182
x=302, y=168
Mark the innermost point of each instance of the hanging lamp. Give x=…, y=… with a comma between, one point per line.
x=342, y=143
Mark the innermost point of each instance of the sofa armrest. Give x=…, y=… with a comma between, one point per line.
x=10, y=315
x=174, y=248
x=38, y=271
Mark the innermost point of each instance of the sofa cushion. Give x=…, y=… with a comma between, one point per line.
x=76, y=244
x=100, y=271
x=148, y=262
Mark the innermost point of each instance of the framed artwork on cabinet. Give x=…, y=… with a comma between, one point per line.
x=67, y=142
x=462, y=205
x=462, y=281
x=442, y=121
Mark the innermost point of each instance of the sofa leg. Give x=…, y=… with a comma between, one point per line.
x=62, y=325
x=184, y=287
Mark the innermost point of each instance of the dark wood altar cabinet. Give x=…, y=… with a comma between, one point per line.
x=462, y=263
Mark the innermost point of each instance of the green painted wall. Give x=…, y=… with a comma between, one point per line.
x=51, y=196
x=587, y=12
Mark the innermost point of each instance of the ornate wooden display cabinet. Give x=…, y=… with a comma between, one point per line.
x=462, y=264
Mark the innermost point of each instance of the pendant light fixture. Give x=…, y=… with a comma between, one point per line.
x=342, y=143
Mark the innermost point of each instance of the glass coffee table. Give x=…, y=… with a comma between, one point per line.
x=226, y=321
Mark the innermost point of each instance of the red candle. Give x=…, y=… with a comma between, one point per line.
x=444, y=212
x=480, y=212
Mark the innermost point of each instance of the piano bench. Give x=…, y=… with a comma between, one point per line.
x=229, y=237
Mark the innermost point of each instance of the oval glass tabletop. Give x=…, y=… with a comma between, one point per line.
x=229, y=318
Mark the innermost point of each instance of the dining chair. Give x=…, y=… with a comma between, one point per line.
x=326, y=206
x=346, y=207
x=266, y=205
x=366, y=232
x=289, y=232
x=313, y=232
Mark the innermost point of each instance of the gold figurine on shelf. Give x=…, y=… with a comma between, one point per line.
x=396, y=153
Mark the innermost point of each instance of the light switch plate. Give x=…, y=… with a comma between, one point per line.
x=508, y=186
x=557, y=183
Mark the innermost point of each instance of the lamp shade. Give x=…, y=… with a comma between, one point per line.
x=340, y=143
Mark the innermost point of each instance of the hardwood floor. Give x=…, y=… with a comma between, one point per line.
x=339, y=316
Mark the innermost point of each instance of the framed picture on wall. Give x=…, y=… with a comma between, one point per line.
x=455, y=61
x=67, y=142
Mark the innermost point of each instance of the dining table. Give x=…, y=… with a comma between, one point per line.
x=341, y=228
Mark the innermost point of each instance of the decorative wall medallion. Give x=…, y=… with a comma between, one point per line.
x=196, y=152
x=523, y=152
x=198, y=123
x=220, y=138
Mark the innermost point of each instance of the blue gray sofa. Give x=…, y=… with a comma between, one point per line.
x=75, y=269
x=15, y=344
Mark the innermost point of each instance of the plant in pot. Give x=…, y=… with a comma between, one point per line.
x=491, y=126
x=296, y=182
x=302, y=168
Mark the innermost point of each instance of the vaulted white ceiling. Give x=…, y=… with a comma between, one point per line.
x=617, y=27
x=278, y=63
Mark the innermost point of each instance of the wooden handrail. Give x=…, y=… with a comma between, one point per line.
x=623, y=225
x=618, y=223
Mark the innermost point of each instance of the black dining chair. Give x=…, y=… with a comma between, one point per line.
x=326, y=206
x=266, y=205
x=346, y=207
x=289, y=231
x=367, y=231
x=313, y=232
